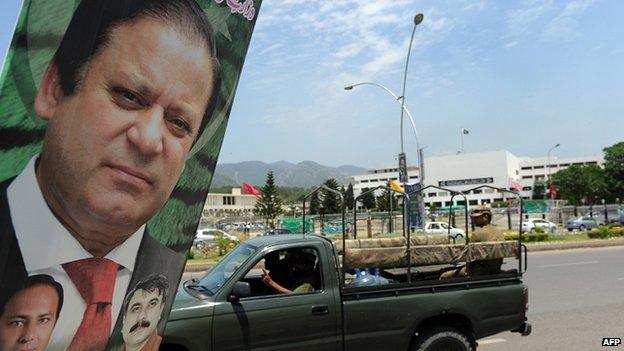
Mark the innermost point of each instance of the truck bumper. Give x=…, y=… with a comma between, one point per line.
x=524, y=330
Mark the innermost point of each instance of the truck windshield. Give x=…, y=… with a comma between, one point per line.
x=217, y=276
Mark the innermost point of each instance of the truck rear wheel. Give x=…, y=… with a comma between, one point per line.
x=442, y=339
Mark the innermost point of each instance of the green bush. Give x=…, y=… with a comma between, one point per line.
x=190, y=254
x=527, y=237
x=606, y=232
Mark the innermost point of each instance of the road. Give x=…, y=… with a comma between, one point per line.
x=576, y=298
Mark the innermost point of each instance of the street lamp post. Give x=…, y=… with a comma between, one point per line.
x=550, y=165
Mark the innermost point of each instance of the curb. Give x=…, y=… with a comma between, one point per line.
x=576, y=244
x=531, y=247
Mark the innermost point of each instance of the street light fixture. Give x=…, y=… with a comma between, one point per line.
x=403, y=107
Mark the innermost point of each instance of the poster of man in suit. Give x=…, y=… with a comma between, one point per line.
x=112, y=114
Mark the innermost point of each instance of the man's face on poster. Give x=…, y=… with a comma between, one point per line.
x=28, y=319
x=114, y=149
x=141, y=317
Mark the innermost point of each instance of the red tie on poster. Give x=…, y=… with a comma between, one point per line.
x=249, y=189
x=95, y=280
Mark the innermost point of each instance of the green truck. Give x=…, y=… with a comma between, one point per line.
x=409, y=308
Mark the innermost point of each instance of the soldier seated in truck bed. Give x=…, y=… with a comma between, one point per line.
x=484, y=232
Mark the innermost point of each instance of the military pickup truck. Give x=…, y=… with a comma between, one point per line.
x=232, y=307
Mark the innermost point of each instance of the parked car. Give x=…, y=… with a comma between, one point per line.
x=582, y=223
x=531, y=224
x=277, y=231
x=443, y=228
x=208, y=238
x=618, y=219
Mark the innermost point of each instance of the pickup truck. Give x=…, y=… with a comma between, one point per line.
x=231, y=308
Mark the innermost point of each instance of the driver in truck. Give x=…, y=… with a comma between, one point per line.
x=302, y=275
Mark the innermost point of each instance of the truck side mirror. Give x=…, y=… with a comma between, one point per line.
x=240, y=290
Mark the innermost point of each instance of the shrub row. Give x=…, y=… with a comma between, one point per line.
x=526, y=237
x=607, y=232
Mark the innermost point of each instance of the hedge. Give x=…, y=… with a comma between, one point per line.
x=607, y=232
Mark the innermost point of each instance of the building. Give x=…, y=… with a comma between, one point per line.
x=461, y=172
x=234, y=204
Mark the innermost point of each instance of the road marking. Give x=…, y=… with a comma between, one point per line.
x=567, y=264
x=491, y=341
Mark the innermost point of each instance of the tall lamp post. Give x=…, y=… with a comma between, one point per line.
x=550, y=165
x=403, y=178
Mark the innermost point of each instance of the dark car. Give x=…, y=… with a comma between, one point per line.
x=583, y=223
x=277, y=231
x=618, y=219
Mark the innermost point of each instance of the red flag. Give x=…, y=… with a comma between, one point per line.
x=514, y=184
x=553, y=191
x=249, y=189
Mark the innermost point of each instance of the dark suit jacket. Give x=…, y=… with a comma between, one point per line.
x=153, y=257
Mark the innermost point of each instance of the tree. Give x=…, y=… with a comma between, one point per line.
x=331, y=201
x=349, y=197
x=368, y=200
x=269, y=204
x=581, y=185
x=383, y=201
x=539, y=189
x=315, y=204
x=614, y=170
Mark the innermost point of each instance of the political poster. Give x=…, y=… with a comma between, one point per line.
x=112, y=115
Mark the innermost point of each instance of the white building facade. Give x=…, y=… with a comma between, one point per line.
x=461, y=172
x=235, y=203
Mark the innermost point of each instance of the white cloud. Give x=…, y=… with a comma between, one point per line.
x=511, y=44
x=563, y=26
x=531, y=11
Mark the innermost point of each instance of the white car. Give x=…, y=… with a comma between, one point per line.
x=208, y=238
x=443, y=228
x=530, y=224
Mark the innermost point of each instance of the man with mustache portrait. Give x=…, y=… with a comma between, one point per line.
x=142, y=310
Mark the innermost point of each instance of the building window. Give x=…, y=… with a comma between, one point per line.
x=538, y=167
x=364, y=181
x=443, y=193
x=526, y=188
x=448, y=203
x=527, y=177
x=591, y=163
x=564, y=165
x=431, y=194
x=473, y=202
x=229, y=200
x=477, y=191
x=526, y=168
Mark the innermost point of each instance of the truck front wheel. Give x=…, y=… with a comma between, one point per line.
x=442, y=339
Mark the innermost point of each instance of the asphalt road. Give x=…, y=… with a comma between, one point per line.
x=576, y=298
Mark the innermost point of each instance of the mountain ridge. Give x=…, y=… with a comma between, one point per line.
x=303, y=174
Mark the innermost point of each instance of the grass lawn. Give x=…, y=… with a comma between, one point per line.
x=569, y=237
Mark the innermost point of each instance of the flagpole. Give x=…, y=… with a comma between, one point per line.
x=461, y=135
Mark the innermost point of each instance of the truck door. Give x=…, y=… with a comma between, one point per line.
x=268, y=320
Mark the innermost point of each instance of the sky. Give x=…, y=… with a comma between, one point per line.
x=518, y=75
